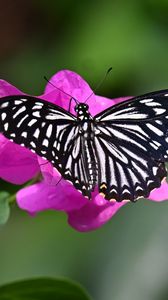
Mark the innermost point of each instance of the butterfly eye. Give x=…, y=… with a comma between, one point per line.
x=86, y=106
x=76, y=108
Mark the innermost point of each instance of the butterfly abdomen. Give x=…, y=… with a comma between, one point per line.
x=91, y=164
x=90, y=161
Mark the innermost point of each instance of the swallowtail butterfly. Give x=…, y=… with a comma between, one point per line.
x=122, y=150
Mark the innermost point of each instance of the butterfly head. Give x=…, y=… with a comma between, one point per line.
x=82, y=111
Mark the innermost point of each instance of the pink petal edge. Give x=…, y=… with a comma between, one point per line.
x=92, y=216
x=7, y=89
x=160, y=194
x=41, y=196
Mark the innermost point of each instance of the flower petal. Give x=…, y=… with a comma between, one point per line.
x=94, y=214
x=7, y=89
x=51, y=175
x=160, y=194
x=77, y=87
x=17, y=164
x=41, y=196
x=98, y=104
x=84, y=215
x=71, y=83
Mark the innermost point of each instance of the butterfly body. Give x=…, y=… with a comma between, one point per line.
x=121, y=150
x=87, y=132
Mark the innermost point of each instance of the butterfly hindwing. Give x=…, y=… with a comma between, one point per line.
x=75, y=164
x=125, y=172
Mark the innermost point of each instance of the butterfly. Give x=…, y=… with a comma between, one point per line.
x=121, y=150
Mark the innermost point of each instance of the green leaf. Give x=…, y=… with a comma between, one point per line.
x=4, y=207
x=43, y=289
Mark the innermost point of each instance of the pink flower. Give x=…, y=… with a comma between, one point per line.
x=18, y=165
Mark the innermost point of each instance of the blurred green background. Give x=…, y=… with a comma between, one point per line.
x=127, y=258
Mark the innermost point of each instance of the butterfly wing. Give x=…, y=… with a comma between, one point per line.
x=132, y=146
x=35, y=124
x=75, y=164
x=47, y=130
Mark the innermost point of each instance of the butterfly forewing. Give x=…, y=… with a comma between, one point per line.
x=142, y=108
x=38, y=125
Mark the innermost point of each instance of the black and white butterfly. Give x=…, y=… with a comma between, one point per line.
x=121, y=150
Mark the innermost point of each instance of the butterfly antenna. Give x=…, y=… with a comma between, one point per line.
x=99, y=84
x=61, y=90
